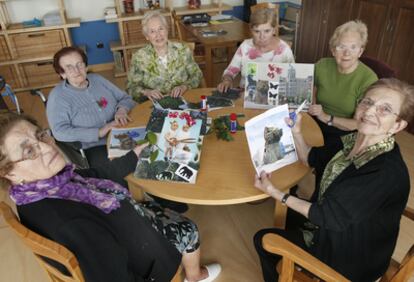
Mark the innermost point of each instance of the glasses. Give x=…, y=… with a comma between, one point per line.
x=382, y=109
x=351, y=49
x=154, y=31
x=80, y=66
x=32, y=151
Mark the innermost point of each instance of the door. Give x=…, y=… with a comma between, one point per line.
x=400, y=55
x=376, y=15
x=318, y=21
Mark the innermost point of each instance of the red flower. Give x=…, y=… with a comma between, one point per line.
x=102, y=103
x=253, y=53
x=173, y=114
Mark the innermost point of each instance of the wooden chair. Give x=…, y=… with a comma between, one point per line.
x=43, y=247
x=293, y=255
x=182, y=35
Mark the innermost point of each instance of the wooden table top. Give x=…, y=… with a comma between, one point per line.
x=237, y=31
x=226, y=174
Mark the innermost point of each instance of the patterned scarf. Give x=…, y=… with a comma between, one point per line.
x=68, y=185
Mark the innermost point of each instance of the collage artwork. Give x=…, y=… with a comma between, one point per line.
x=176, y=154
x=272, y=84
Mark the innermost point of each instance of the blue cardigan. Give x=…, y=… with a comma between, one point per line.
x=75, y=114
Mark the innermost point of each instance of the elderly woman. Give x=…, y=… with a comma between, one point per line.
x=340, y=81
x=113, y=237
x=263, y=47
x=84, y=107
x=362, y=188
x=162, y=67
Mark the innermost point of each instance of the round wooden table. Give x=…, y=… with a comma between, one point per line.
x=226, y=173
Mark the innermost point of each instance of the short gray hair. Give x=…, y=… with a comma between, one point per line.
x=151, y=15
x=351, y=26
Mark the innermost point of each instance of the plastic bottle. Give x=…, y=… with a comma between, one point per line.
x=203, y=103
x=233, y=123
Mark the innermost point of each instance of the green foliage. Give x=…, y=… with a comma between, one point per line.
x=221, y=126
x=154, y=155
x=168, y=102
x=151, y=137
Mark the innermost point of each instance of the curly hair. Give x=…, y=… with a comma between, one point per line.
x=351, y=26
x=151, y=15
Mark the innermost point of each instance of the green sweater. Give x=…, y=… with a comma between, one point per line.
x=338, y=93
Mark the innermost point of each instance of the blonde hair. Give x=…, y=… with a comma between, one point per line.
x=151, y=15
x=351, y=26
x=263, y=16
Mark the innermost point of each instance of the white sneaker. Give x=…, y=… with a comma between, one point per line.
x=213, y=271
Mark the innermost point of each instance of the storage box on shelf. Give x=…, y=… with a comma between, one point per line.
x=132, y=37
x=27, y=52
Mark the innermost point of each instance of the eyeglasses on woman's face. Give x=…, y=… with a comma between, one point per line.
x=354, y=48
x=32, y=151
x=382, y=110
x=78, y=67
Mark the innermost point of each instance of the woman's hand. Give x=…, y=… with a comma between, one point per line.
x=296, y=124
x=121, y=116
x=263, y=183
x=178, y=91
x=153, y=94
x=316, y=110
x=225, y=84
x=103, y=131
x=138, y=149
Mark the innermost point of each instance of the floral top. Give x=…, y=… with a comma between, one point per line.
x=248, y=52
x=148, y=72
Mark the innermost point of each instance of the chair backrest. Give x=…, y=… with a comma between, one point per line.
x=381, y=69
x=293, y=255
x=267, y=5
x=43, y=247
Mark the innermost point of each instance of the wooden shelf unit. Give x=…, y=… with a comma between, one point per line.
x=130, y=30
x=26, y=54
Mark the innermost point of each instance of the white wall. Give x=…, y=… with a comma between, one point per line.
x=87, y=10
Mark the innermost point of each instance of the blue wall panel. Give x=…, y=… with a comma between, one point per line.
x=93, y=32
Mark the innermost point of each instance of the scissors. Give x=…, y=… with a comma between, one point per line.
x=293, y=115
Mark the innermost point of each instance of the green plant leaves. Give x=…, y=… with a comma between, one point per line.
x=151, y=137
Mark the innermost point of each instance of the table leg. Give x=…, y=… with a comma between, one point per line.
x=280, y=215
x=209, y=66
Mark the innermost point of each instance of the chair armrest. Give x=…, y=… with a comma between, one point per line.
x=409, y=212
x=292, y=254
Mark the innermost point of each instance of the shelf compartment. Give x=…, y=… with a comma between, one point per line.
x=39, y=74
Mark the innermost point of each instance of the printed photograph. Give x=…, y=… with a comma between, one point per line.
x=270, y=140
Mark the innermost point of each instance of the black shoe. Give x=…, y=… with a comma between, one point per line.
x=175, y=206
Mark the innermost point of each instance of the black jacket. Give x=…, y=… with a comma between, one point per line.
x=119, y=246
x=360, y=214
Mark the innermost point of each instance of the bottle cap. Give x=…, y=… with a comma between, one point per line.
x=233, y=116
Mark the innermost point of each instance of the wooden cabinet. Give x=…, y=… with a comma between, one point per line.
x=319, y=18
x=389, y=22
x=26, y=53
x=132, y=37
x=390, y=37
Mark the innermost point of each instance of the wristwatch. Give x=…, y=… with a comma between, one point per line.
x=330, y=121
x=284, y=199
